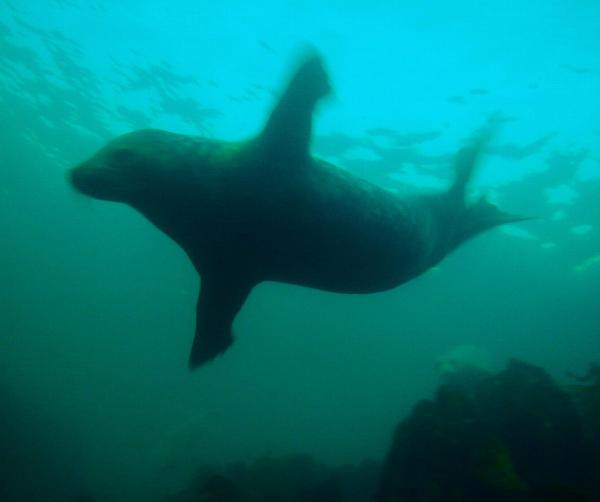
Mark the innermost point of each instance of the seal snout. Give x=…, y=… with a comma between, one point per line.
x=97, y=182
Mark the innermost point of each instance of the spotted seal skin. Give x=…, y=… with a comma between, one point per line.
x=266, y=210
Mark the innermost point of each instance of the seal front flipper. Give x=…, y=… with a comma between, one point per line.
x=221, y=297
x=286, y=135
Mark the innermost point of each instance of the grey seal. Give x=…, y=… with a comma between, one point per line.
x=265, y=209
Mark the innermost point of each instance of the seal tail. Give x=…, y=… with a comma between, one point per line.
x=474, y=218
x=482, y=216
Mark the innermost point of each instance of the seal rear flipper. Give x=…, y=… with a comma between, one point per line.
x=482, y=216
x=219, y=301
x=465, y=163
x=288, y=130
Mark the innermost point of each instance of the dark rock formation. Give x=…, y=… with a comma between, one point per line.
x=513, y=436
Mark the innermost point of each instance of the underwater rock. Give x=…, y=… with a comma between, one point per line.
x=42, y=457
x=586, y=395
x=515, y=436
x=218, y=488
x=511, y=436
x=463, y=366
x=209, y=486
x=289, y=478
x=359, y=481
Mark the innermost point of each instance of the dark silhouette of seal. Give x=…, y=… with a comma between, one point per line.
x=266, y=210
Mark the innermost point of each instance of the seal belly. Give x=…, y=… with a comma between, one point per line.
x=340, y=234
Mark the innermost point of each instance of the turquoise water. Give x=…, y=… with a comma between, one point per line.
x=97, y=308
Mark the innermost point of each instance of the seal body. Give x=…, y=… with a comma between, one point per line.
x=266, y=210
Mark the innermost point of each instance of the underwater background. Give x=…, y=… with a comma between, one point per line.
x=97, y=307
